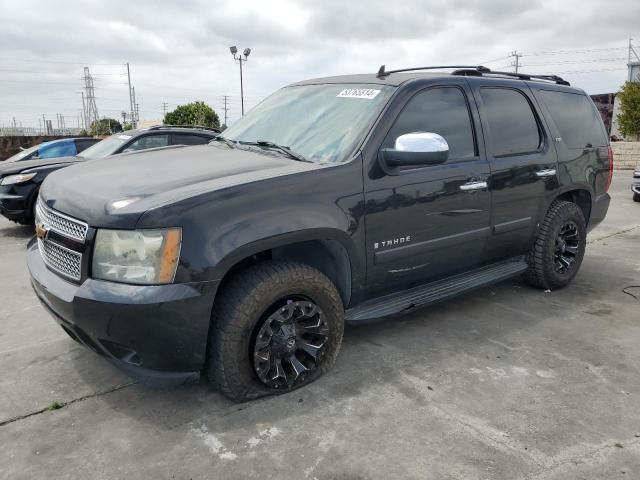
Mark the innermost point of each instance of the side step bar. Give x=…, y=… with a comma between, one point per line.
x=436, y=291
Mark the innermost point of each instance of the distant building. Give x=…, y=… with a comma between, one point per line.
x=634, y=71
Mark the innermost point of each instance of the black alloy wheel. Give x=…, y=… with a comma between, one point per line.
x=290, y=343
x=567, y=247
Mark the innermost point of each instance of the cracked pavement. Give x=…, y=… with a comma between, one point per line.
x=507, y=382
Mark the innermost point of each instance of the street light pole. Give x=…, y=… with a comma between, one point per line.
x=240, y=58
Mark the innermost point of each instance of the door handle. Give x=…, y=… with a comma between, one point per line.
x=548, y=172
x=465, y=187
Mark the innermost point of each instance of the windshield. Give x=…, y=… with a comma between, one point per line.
x=22, y=155
x=106, y=147
x=323, y=123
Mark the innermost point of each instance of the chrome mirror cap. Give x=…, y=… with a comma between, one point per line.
x=421, y=142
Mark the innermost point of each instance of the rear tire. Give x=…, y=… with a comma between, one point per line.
x=265, y=322
x=558, y=250
x=636, y=197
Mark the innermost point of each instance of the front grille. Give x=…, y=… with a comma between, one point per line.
x=61, y=260
x=60, y=223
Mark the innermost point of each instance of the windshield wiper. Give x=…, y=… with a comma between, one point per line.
x=226, y=141
x=281, y=148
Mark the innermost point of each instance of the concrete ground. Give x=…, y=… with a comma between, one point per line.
x=508, y=382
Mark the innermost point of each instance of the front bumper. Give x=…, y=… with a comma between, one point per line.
x=16, y=201
x=155, y=333
x=635, y=186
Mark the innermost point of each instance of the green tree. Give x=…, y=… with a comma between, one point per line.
x=629, y=117
x=105, y=126
x=194, y=113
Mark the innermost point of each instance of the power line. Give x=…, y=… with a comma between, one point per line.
x=495, y=60
x=569, y=52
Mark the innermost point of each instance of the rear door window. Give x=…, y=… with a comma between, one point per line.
x=186, y=139
x=62, y=149
x=577, y=120
x=148, y=141
x=512, y=123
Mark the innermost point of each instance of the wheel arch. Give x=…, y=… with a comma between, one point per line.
x=582, y=197
x=329, y=251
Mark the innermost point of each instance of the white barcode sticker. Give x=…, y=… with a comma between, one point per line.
x=366, y=93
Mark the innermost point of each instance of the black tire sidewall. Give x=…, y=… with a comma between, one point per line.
x=237, y=340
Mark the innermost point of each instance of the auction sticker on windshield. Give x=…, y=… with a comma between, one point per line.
x=366, y=93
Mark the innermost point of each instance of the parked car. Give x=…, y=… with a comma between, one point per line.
x=63, y=147
x=635, y=186
x=342, y=198
x=20, y=180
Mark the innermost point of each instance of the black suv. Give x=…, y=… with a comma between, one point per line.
x=343, y=198
x=20, y=181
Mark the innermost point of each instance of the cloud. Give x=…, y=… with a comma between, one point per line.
x=178, y=51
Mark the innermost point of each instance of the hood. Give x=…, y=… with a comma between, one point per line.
x=10, y=168
x=116, y=191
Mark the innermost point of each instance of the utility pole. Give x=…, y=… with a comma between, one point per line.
x=135, y=107
x=225, y=99
x=165, y=105
x=240, y=59
x=631, y=51
x=44, y=122
x=132, y=98
x=516, y=62
x=137, y=113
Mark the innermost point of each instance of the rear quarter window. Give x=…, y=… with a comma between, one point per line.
x=577, y=120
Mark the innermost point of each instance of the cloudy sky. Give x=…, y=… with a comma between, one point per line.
x=178, y=51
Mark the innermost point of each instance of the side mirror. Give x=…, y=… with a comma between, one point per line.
x=416, y=149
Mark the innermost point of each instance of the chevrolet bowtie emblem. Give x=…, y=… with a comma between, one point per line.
x=41, y=230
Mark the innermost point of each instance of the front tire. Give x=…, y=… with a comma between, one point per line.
x=276, y=326
x=636, y=197
x=559, y=247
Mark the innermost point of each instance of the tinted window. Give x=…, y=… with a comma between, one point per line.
x=512, y=123
x=84, y=144
x=438, y=110
x=61, y=149
x=149, y=141
x=184, y=139
x=575, y=117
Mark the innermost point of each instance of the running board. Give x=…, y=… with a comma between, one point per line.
x=436, y=291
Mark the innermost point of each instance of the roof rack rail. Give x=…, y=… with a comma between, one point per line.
x=384, y=73
x=199, y=127
x=478, y=71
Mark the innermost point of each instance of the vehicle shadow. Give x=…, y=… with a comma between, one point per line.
x=16, y=231
x=373, y=353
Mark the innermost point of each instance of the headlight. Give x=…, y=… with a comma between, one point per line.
x=144, y=257
x=19, y=178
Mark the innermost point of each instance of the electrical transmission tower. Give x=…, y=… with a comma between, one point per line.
x=516, y=63
x=225, y=99
x=91, y=110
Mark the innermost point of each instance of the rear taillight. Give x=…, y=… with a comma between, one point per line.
x=610, y=177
